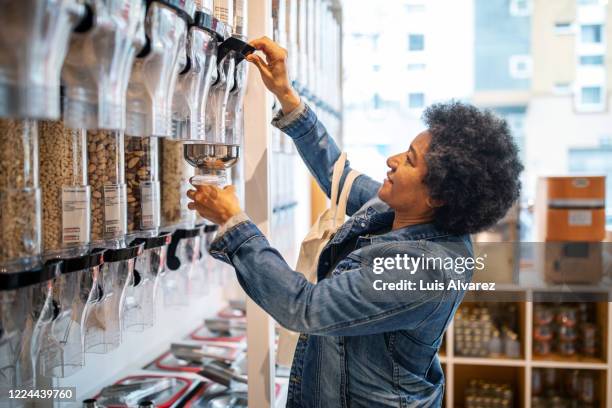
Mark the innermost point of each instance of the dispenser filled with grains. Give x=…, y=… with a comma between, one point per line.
x=65, y=193
x=20, y=207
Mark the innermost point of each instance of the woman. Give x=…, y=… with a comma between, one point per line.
x=362, y=347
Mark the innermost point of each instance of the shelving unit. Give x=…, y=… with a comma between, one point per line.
x=459, y=369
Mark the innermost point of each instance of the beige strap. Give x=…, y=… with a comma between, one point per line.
x=336, y=176
x=344, y=196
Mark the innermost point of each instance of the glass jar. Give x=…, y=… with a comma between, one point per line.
x=142, y=179
x=183, y=254
x=106, y=175
x=20, y=197
x=65, y=193
x=62, y=353
x=25, y=308
x=589, y=337
x=567, y=316
x=142, y=290
x=175, y=176
x=102, y=317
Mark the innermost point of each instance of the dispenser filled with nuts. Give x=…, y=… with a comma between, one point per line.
x=65, y=193
x=142, y=177
x=108, y=189
x=20, y=207
x=175, y=176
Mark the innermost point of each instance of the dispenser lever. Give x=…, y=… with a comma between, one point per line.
x=234, y=44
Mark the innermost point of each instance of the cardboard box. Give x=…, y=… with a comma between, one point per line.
x=571, y=209
x=572, y=262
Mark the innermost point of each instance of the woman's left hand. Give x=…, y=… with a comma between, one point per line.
x=213, y=203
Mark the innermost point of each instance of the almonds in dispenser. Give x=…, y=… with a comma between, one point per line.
x=108, y=190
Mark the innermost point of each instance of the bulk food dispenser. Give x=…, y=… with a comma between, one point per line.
x=183, y=254
x=101, y=322
x=94, y=78
x=61, y=346
x=25, y=308
x=33, y=42
x=150, y=91
x=219, y=149
x=143, y=289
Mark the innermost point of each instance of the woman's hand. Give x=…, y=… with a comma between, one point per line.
x=213, y=203
x=274, y=72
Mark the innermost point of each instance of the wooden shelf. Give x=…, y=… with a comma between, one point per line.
x=495, y=362
x=582, y=364
x=459, y=370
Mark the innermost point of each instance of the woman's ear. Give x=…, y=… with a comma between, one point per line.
x=433, y=203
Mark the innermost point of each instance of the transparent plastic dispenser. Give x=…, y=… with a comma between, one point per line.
x=183, y=254
x=101, y=318
x=61, y=349
x=191, y=94
x=94, y=77
x=153, y=187
x=34, y=37
x=25, y=309
x=220, y=147
x=142, y=289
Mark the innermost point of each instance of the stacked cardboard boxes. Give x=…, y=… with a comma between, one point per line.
x=570, y=225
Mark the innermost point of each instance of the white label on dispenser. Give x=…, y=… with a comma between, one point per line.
x=75, y=214
x=580, y=218
x=149, y=201
x=222, y=11
x=115, y=209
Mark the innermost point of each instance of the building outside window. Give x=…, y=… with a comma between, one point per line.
x=591, y=60
x=520, y=8
x=416, y=42
x=591, y=33
x=564, y=27
x=416, y=100
x=520, y=66
x=591, y=95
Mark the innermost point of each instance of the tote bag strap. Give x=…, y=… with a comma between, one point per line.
x=336, y=176
x=342, y=202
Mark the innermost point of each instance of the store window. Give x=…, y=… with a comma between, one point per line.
x=520, y=66
x=591, y=33
x=416, y=100
x=591, y=95
x=416, y=42
x=520, y=8
x=591, y=60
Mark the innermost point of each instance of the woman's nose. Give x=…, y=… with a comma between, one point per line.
x=392, y=162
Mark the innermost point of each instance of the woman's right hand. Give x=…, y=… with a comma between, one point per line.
x=274, y=72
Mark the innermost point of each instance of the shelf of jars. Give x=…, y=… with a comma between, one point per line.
x=563, y=338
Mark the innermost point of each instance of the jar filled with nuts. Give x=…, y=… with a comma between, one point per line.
x=175, y=176
x=20, y=197
x=65, y=193
x=106, y=172
x=142, y=179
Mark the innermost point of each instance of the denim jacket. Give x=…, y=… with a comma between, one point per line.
x=354, y=350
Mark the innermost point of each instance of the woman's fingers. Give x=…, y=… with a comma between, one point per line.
x=261, y=65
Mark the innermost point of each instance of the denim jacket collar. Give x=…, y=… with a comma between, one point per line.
x=376, y=216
